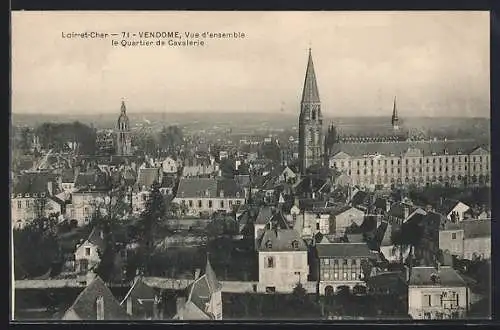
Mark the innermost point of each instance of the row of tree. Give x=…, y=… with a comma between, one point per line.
x=59, y=135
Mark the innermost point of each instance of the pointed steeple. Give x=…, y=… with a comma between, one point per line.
x=123, y=108
x=310, y=92
x=395, y=118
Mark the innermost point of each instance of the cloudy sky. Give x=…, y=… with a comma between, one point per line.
x=437, y=63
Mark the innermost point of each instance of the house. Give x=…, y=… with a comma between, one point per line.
x=391, y=252
x=142, y=301
x=169, y=165
x=452, y=209
x=199, y=166
x=387, y=284
x=469, y=239
x=95, y=303
x=88, y=254
x=309, y=224
x=33, y=196
x=206, y=195
x=400, y=212
x=146, y=176
x=437, y=293
x=339, y=265
x=204, y=298
x=283, y=261
x=268, y=218
x=168, y=185
x=83, y=205
x=68, y=179
x=344, y=217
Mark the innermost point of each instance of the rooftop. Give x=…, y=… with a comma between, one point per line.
x=444, y=276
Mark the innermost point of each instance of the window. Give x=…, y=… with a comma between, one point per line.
x=238, y=202
x=454, y=236
x=317, y=225
x=346, y=276
x=210, y=204
x=345, y=261
x=326, y=261
x=190, y=202
x=87, y=252
x=269, y=245
x=353, y=276
x=19, y=204
x=426, y=300
x=199, y=203
x=295, y=244
x=353, y=262
x=326, y=275
x=335, y=276
x=270, y=262
x=230, y=202
x=222, y=204
x=335, y=262
x=27, y=204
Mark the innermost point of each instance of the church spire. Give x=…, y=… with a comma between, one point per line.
x=395, y=119
x=310, y=92
x=123, y=108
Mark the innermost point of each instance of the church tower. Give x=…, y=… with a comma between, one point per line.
x=123, y=140
x=330, y=140
x=395, y=120
x=310, y=122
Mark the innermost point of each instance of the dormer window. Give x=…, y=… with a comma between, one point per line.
x=27, y=195
x=237, y=194
x=35, y=195
x=269, y=245
x=19, y=195
x=435, y=278
x=295, y=244
x=42, y=194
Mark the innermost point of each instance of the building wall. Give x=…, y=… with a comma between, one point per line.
x=289, y=268
x=420, y=170
x=453, y=241
x=480, y=246
x=196, y=205
x=418, y=304
x=24, y=209
x=215, y=307
x=345, y=219
x=460, y=209
x=83, y=206
x=87, y=251
x=336, y=272
x=199, y=170
x=169, y=166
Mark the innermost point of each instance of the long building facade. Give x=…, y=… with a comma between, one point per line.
x=413, y=162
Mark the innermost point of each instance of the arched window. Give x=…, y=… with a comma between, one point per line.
x=313, y=114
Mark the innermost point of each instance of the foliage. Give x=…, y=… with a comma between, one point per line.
x=227, y=168
x=57, y=135
x=170, y=138
x=36, y=248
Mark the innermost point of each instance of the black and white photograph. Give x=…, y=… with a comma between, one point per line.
x=177, y=166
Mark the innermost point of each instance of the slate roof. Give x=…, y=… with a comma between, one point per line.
x=95, y=238
x=447, y=206
x=242, y=180
x=476, y=228
x=281, y=240
x=230, y=188
x=197, y=187
x=397, y=209
x=383, y=235
x=447, y=277
x=168, y=181
x=341, y=209
x=310, y=91
x=265, y=214
x=359, y=198
x=452, y=147
x=343, y=250
x=310, y=184
x=142, y=296
x=199, y=294
x=388, y=279
x=90, y=179
x=85, y=304
x=30, y=183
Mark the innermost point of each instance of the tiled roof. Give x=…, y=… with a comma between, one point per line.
x=476, y=228
x=281, y=240
x=343, y=250
x=428, y=148
x=447, y=276
x=85, y=304
x=197, y=187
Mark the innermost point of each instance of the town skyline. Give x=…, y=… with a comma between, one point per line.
x=451, y=63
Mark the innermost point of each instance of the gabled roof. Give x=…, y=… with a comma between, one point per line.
x=139, y=290
x=30, y=183
x=341, y=250
x=447, y=277
x=359, y=198
x=85, y=304
x=197, y=187
x=95, y=238
x=281, y=240
x=265, y=214
x=447, y=206
x=397, y=210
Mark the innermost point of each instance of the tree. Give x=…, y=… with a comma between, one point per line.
x=153, y=214
x=36, y=248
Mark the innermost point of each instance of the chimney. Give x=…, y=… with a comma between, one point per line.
x=406, y=211
x=197, y=273
x=100, y=308
x=49, y=187
x=181, y=302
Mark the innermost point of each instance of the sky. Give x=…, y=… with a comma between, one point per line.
x=436, y=63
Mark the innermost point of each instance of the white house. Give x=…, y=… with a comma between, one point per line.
x=344, y=217
x=282, y=260
x=453, y=209
x=208, y=195
x=169, y=166
x=437, y=293
x=87, y=254
x=83, y=204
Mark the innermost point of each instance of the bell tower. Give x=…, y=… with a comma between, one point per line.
x=310, y=121
x=123, y=139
